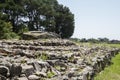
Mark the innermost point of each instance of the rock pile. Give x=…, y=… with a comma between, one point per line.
x=39, y=35
x=52, y=59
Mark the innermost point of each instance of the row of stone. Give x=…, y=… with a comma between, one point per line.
x=36, y=69
x=98, y=64
x=41, y=42
x=83, y=64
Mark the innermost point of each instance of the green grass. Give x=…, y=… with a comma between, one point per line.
x=112, y=72
x=50, y=74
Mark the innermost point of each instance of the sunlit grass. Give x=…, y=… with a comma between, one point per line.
x=112, y=72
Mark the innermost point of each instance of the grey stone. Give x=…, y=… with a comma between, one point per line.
x=22, y=78
x=4, y=71
x=71, y=74
x=42, y=74
x=27, y=69
x=65, y=78
x=3, y=77
x=43, y=63
x=38, y=35
x=20, y=52
x=15, y=70
x=85, y=77
x=52, y=62
x=33, y=77
x=36, y=66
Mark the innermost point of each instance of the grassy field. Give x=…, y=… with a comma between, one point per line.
x=112, y=72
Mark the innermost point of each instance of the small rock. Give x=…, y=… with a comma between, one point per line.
x=22, y=78
x=41, y=74
x=63, y=69
x=65, y=78
x=33, y=77
x=71, y=74
x=20, y=52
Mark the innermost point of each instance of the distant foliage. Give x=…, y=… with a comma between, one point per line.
x=6, y=30
x=45, y=15
x=99, y=40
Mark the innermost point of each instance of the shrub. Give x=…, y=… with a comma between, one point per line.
x=6, y=30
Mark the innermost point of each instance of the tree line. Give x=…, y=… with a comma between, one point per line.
x=99, y=40
x=17, y=16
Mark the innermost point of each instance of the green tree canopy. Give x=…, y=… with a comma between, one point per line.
x=46, y=15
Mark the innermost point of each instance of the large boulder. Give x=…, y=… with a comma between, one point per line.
x=39, y=35
x=15, y=70
x=27, y=69
x=4, y=71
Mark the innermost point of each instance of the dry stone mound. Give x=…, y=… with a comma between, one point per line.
x=39, y=35
x=52, y=59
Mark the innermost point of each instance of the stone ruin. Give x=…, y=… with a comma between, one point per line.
x=39, y=35
x=52, y=59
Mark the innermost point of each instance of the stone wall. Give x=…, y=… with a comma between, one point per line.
x=32, y=35
x=52, y=59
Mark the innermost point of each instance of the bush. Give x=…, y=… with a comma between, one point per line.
x=22, y=28
x=6, y=30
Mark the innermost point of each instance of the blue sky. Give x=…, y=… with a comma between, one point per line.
x=95, y=18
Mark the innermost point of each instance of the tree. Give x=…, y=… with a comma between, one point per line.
x=14, y=10
x=47, y=15
x=64, y=22
x=103, y=39
x=92, y=40
x=83, y=40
